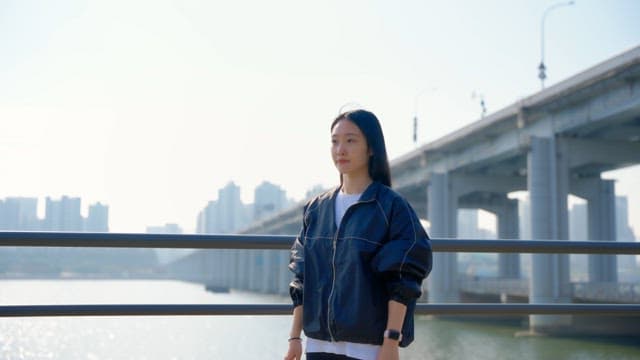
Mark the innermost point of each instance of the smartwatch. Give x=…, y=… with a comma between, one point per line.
x=393, y=335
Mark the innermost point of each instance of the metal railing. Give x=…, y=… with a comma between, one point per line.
x=279, y=242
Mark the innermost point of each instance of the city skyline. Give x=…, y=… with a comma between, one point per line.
x=152, y=109
x=228, y=214
x=64, y=214
x=467, y=218
x=41, y=214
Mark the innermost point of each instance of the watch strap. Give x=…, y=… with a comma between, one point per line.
x=393, y=334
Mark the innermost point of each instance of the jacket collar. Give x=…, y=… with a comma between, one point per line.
x=370, y=193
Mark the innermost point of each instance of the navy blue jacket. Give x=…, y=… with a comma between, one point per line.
x=346, y=275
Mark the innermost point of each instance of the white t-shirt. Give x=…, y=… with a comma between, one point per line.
x=354, y=350
x=343, y=201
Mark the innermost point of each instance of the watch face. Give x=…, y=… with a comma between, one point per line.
x=392, y=334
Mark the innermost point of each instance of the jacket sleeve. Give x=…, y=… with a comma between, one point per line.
x=296, y=264
x=405, y=259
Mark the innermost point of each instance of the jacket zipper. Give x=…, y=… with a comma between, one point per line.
x=333, y=282
x=333, y=266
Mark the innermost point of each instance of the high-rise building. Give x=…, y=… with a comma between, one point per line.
x=209, y=219
x=225, y=215
x=268, y=198
x=201, y=222
x=19, y=213
x=626, y=263
x=623, y=230
x=63, y=215
x=247, y=211
x=231, y=213
x=97, y=219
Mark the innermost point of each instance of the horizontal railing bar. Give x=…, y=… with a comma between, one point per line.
x=536, y=246
x=286, y=309
x=275, y=242
x=167, y=241
x=527, y=309
x=144, y=310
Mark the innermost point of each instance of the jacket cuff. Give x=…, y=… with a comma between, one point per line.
x=404, y=291
x=401, y=299
x=296, y=294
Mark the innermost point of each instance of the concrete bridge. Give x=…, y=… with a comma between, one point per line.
x=551, y=144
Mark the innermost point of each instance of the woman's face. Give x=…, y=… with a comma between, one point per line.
x=349, y=149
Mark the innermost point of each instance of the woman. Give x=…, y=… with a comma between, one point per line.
x=361, y=255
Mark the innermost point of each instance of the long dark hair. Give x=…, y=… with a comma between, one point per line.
x=368, y=123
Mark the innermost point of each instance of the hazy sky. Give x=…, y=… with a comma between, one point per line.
x=152, y=106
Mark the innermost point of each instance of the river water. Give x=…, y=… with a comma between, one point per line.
x=236, y=337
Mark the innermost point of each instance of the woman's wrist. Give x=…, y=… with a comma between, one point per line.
x=295, y=338
x=391, y=342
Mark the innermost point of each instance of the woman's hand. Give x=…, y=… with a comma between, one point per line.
x=295, y=343
x=389, y=350
x=295, y=350
x=395, y=318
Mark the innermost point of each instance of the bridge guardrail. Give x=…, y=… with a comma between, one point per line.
x=201, y=241
x=283, y=242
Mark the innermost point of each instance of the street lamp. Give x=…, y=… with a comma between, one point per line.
x=541, y=68
x=415, y=114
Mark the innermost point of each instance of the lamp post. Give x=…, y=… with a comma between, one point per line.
x=415, y=114
x=542, y=68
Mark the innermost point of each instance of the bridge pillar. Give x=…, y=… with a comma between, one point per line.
x=229, y=268
x=235, y=268
x=264, y=271
x=270, y=269
x=256, y=268
x=252, y=274
x=443, y=208
x=508, y=228
x=548, y=183
x=220, y=270
x=251, y=270
x=213, y=267
x=248, y=269
x=243, y=271
x=601, y=214
x=217, y=263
